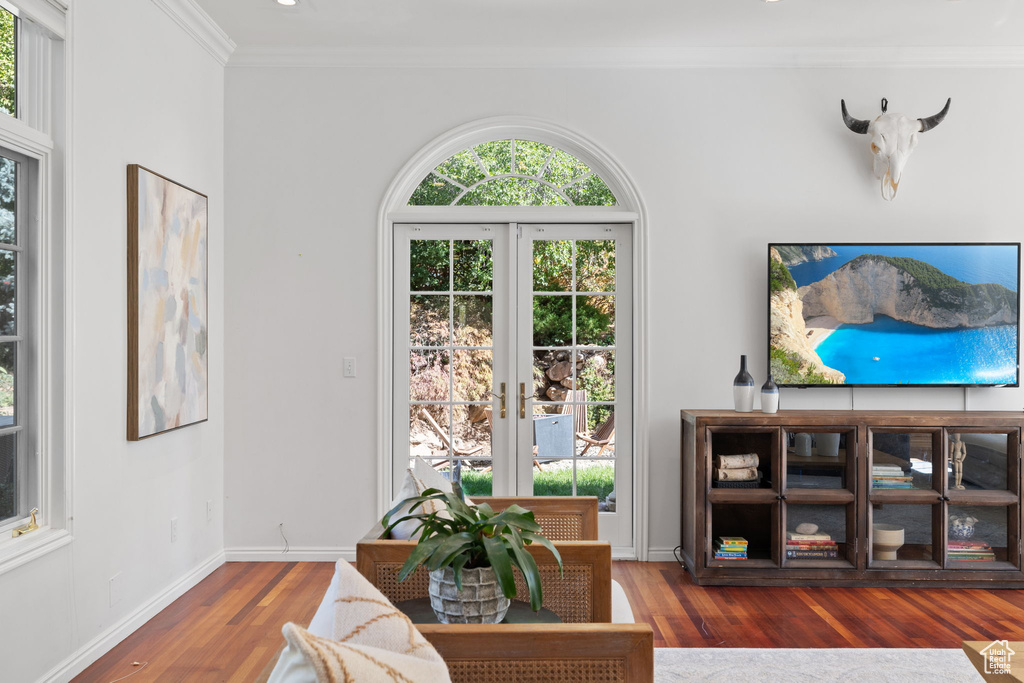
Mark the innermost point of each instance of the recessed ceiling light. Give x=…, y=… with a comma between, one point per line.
x=288, y=3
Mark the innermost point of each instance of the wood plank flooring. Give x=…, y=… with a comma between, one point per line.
x=229, y=626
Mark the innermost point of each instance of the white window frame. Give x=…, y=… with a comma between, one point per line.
x=630, y=209
x=42, y=133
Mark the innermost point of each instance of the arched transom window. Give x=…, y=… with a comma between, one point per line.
x=512, y=173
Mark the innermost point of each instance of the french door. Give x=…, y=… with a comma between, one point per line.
x=513, y=361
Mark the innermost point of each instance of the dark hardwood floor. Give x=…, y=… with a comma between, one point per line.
x=229, y=626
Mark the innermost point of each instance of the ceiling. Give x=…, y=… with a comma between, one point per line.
x=479, y=25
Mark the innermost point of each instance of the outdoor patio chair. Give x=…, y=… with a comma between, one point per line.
x=603, y=436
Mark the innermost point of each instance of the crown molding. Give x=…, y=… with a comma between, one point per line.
x=639, y=57
x=198, y=24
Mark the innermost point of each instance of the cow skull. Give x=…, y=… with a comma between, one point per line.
x=893, y=138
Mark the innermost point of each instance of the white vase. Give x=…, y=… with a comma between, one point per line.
x=770, y=396
x=479, y=602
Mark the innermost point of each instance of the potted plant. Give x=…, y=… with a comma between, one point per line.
x=470, y=551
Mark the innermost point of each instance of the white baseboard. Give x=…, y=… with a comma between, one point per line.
x=295, y=554
x=77, y=662
x=661, y=555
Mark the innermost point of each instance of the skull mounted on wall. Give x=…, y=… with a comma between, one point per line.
x=893, y=138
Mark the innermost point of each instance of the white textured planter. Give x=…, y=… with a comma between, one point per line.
x=479, y=602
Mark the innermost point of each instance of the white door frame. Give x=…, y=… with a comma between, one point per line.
x=631, y=209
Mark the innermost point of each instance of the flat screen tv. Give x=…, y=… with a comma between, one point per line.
x=880, y=315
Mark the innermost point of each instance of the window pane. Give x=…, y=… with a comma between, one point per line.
x=565, y=168
x=434, y=191
x=462, y=168
x=552, y=320
x=473, y=321
x=595, y=320
x=428, y=375
x=8, y=479
x=428, y=265
x=595, y=265
x=476, y=482
x=8, y=57
x=8, y=358
x=496, y=156
x=428, y=320
x=8, y=259
x=474, y=266
x=531, y=156
x=552, y=266
x=590, y=191
x=428, y=431
x=8, y=200
x=552, y=375
x=597, y=376
x=473, y=375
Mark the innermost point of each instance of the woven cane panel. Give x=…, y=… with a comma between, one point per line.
x=571, y=598
x=565, y=526
x=415, y=586
x=537, y=670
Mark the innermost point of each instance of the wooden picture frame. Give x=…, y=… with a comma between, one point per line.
x=168, y=376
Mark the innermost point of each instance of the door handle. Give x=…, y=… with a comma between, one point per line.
x=522, y=400
x=500, y=397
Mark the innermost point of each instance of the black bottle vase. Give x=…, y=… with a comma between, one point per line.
x=743, y=389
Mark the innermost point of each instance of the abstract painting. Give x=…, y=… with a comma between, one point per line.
x=167, y=304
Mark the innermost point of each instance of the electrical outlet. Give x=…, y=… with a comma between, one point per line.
x=115, y=589
x=174, y=529
x=348, y=367
x=209, y=511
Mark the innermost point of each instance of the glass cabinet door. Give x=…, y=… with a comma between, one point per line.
x=902, y=536
x=903, y=460
x=819, y=536
x=819, y=458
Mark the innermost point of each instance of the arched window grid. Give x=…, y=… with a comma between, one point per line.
x=599, y=195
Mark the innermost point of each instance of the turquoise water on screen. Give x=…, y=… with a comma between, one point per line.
x=912, y=354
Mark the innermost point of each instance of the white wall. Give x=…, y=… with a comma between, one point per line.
x=144, y=93
x=727, y=161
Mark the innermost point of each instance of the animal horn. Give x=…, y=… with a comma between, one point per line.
x=932, y=121
x=856, y=125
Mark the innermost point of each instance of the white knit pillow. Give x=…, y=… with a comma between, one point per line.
x=418, y=478
x=371, y=641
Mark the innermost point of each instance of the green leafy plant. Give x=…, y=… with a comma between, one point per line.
x=474, y=536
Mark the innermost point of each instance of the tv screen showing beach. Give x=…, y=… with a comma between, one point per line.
x=894, y=314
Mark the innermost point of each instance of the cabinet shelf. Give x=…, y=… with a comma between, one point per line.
x=901, y=498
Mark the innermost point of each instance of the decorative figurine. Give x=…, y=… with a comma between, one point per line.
x=958, y=454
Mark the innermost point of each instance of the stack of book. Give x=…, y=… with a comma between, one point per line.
x=730, y=548
x=810, y=546
x=736, y=468
x=970, y=551
x=890, y=477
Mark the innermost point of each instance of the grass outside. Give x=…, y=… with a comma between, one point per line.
x=595, y=480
